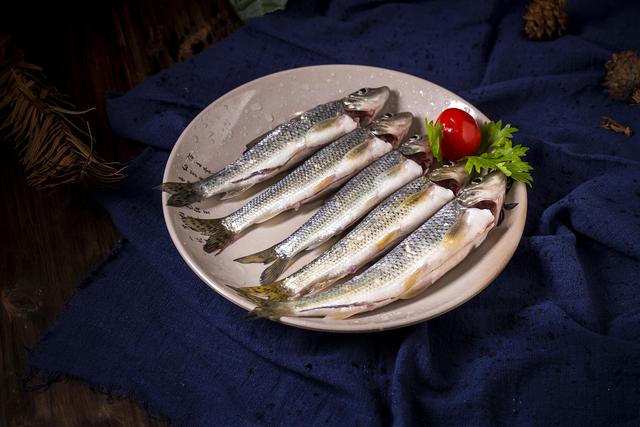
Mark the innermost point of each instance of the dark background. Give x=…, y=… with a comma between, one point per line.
x=52, y=239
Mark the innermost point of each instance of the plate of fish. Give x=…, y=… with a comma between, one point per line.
x=312, y=197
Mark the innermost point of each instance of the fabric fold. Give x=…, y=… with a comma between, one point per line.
x=555, y=339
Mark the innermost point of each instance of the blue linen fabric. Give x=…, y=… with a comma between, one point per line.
x=555, y=340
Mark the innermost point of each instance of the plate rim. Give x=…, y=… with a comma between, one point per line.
x=224, y=291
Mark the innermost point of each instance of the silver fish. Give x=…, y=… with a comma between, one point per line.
x=283, y=147
x=393, y=219
x=440, y=244
x=350, y=203
x=326, y=169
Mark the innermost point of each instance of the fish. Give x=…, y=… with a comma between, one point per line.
x=390, y=221
x=327, y=169
x=437, y=246
x=283, y=147
x=357, y=197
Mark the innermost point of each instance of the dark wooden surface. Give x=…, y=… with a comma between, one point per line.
x=51, y=240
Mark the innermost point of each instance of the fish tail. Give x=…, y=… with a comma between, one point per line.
x=182, y=193
x=272, y=291
x=271, y=273
x=219, y=235
x=263, y=257
x=273, y=310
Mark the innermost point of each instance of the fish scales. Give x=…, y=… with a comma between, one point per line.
x=435, y=247
x=326, y=169
x=341, y=258
x=392, y=219
x=339, y=211
x=321, y=166
x=282, y=147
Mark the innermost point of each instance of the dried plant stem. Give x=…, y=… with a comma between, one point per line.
x=610, y=124
x=50, y=135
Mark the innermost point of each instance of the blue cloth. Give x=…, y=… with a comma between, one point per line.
x=555, y=340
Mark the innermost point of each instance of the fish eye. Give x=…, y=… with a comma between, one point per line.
x=414, y=138
x=477, y=180
x=447, y=164
x=362, y=91
x=387, y=116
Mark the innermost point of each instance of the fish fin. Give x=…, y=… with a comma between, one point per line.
x=233, y=193
x=340, y=315
x=182, y=193
x=271, y=291
x=410, y=289
x=271, y=273
x=220, y=236
x=263, y=257
x=174, y=187
x=358, y=150
x=324, y=125
x=265, y=171
x=319, y=286
x=387, y=239
x=219, y=241
x=417, y=197
x=324, y=183
x=269, y=310
x=255, y=141
x=351, y=311
x=202, y=225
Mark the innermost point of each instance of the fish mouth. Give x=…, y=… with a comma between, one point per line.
x=451, y=175
x=418, y=150
x=391, y=138
x=449, y=184
x=492, y=206
x=424, y=160
x=485, y=204
x=362, y=117
x=486, y=192
x=392, y=128
x=364, y=104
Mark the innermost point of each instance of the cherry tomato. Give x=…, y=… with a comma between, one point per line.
x=460, y=134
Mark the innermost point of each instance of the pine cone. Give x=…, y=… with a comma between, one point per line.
x=622, y=80
x=546, y=19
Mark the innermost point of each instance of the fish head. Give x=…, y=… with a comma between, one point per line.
x=418, y=149
x=364, y=104
x=451, y=175
x=392, y=127
x=486, y=192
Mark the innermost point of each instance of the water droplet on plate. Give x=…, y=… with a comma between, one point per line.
x=268, y=117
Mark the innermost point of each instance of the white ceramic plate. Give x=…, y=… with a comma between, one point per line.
x=218, y=135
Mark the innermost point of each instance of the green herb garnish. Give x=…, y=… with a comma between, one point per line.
x=496, y=151
x=434, y=134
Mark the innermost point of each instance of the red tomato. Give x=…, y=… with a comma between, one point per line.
x=460, y=134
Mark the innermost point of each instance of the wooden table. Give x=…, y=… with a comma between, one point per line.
x=51, y=240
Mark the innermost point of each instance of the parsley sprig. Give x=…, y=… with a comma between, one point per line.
x=496, y=151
